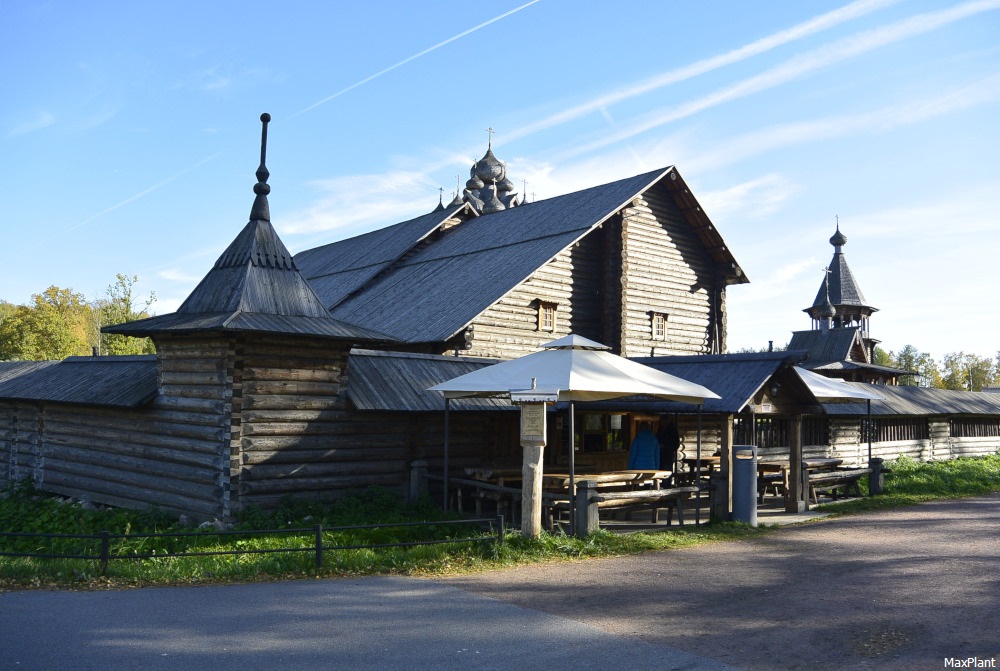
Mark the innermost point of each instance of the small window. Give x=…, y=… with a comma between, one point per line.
x=659, y=327
x=546, y=316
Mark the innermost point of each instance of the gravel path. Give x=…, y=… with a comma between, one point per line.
x=902, y=589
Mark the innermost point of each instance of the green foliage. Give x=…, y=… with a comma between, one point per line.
x=120, y=305
x=968, y=372
x=25, y=510
x=60, y=323
x=882, y=358
x=56, y=325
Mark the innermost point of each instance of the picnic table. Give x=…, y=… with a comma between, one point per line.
x=825, y=474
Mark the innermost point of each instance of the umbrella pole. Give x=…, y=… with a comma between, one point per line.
x=868, y=430
x=697, y=473
x=447, y=436
x=572, y=469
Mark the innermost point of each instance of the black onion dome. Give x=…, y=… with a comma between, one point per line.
x=838, y=239
x=489, y=168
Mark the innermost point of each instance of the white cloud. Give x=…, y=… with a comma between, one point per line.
x=733, y=150
x=797, y=32
x=41, y=121
x=791, y=70
x=754, y=199
x=176, y=275
x=358, y=203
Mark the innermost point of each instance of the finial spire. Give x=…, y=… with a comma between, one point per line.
x=490, y=131
x=260, y=209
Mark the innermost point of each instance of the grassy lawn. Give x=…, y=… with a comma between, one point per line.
x=25, y=511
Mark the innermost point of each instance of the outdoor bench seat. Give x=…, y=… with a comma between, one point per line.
x=844, y=480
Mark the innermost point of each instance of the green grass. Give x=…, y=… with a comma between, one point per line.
x=23, y=510
x=913, y=482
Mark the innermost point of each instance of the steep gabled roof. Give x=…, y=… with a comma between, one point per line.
x=433, y=292
x=340, y=268
x=254, y=286
x=825, y=346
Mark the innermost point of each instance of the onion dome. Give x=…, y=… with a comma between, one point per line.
x=491, y=203
x=505, y=185
x=489, y=169
x=826, y=310
x=474, y=183
x=456, y=201
x=838, y=239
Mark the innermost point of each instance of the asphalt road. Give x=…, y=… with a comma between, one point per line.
x=901, y=589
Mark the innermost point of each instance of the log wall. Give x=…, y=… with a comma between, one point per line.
x=167, y=454
x=573, y=281
x=665, y=269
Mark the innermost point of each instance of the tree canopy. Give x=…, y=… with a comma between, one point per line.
x=61, y=322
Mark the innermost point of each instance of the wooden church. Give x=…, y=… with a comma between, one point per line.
x=306, y=374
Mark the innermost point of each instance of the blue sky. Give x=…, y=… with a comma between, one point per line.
x=129, y=135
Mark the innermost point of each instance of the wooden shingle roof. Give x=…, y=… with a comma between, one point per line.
x=116, y=381
x=398, y=381
x=909, y=400
x=339, y=269
x=736, y=378
x=254, y=286
x=434, y=291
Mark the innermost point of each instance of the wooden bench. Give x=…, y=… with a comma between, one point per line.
x=845, y=480
x=590, y=503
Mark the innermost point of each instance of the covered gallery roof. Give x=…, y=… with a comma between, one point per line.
x=115, y=381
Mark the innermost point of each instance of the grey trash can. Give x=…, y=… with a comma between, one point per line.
x=745, y=484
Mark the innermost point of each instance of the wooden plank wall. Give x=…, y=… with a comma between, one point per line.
x=666, y=270
x=573, y=281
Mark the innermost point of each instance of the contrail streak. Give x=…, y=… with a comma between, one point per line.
x=412, y=58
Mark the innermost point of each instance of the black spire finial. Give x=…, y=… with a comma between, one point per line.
x=260, y=209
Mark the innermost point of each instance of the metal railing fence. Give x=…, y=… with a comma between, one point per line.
x=494, y=524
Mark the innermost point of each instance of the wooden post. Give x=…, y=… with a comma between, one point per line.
x=418, y=480
x=797, y=500
x=588, y=516
x=531, y=491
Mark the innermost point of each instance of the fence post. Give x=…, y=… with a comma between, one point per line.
x=105, y=552
x=501, y=532
x=418, y=479
x=319, y=546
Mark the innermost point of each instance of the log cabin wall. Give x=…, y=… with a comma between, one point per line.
x=572, y=282
x=667, y=271
x=298, y=434
x=168, y=453
x=19, y=457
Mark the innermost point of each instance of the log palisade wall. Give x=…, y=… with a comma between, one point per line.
x=239, y=420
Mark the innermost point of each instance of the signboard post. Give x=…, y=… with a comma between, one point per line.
x=533, y=439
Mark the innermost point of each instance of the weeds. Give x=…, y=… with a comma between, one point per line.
x=23, y=510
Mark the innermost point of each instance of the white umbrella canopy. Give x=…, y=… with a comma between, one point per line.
x=830, y=390
x=576, y=369
x=580, y=370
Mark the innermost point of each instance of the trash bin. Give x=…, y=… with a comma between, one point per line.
x=876, y=479
x=745, y=484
